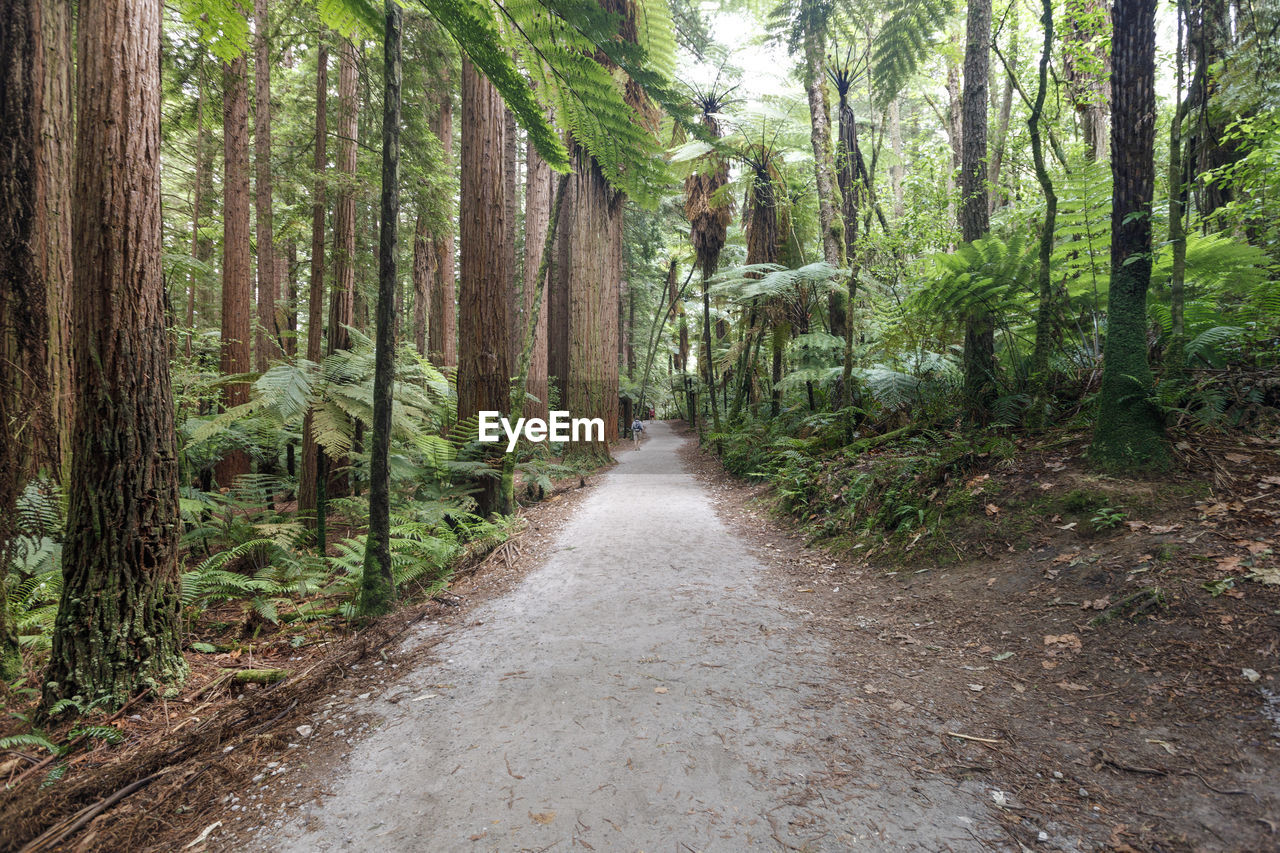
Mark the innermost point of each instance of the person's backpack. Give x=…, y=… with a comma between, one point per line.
x=636, y=426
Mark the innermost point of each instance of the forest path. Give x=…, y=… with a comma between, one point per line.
x=642, y=690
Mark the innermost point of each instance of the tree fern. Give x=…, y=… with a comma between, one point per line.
x=905, y=40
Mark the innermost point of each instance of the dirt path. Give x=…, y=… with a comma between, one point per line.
x=642, y=690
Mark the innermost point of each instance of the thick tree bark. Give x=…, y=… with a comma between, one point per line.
x=25, y=416
x=442, y=329
x=310, y=482
x=377, y=585
x=511, y=175
x=342, y=304
x=484, y=353
x=118, y=625
x=1130, y=428
x=267, y=345
x=587, y=232
x=979, y=333
x=55, y=176
x=537, y=218
x=237, y=281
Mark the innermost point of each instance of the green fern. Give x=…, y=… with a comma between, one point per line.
x=906, y=40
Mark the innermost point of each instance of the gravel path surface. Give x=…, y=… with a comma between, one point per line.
x=644, y=690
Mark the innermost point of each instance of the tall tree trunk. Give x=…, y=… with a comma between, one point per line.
x=237, y=285
x=511, y=175
x=588, y=285
x=1130, y=429
x=422, y=259
x=955, y=134
x=1177, y=207
x=267, y=345
x=829, y=219
x=1046, y=311
x=342, y=305
x=898, y=170
x=377, y=585
x=1086, y=67
x=118, y=625
x=979, y=333
x=310, y=481
x=1210, y=40
x=26, y=418
x=484, y=351
x=850, y=176
x=1005, y=111
x=197, y=206
x=537, y=220
x=55, y=175
x=815, y=84
x=442, y=329
x=286, y=267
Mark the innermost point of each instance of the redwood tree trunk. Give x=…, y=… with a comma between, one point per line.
x=237, y=285
x=485, y=364
x=55, y=176
x=309, y=489
x=342, y=307
x=25, y=416
x=118, y=624
x=537, y=218
x=1130, y=428
x=587, y=284
x=267, y=347
x=979, y=333
x=442, y=329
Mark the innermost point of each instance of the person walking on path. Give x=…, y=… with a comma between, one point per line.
x=637, y=427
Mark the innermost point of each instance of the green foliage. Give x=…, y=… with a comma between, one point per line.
x=34, y=573
x=904, y=42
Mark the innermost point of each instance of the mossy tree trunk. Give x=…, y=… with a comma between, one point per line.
x=1130, y=429
x=118, y=624
x=377, y=584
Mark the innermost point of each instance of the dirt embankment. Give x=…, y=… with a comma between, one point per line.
x=1100, y=652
